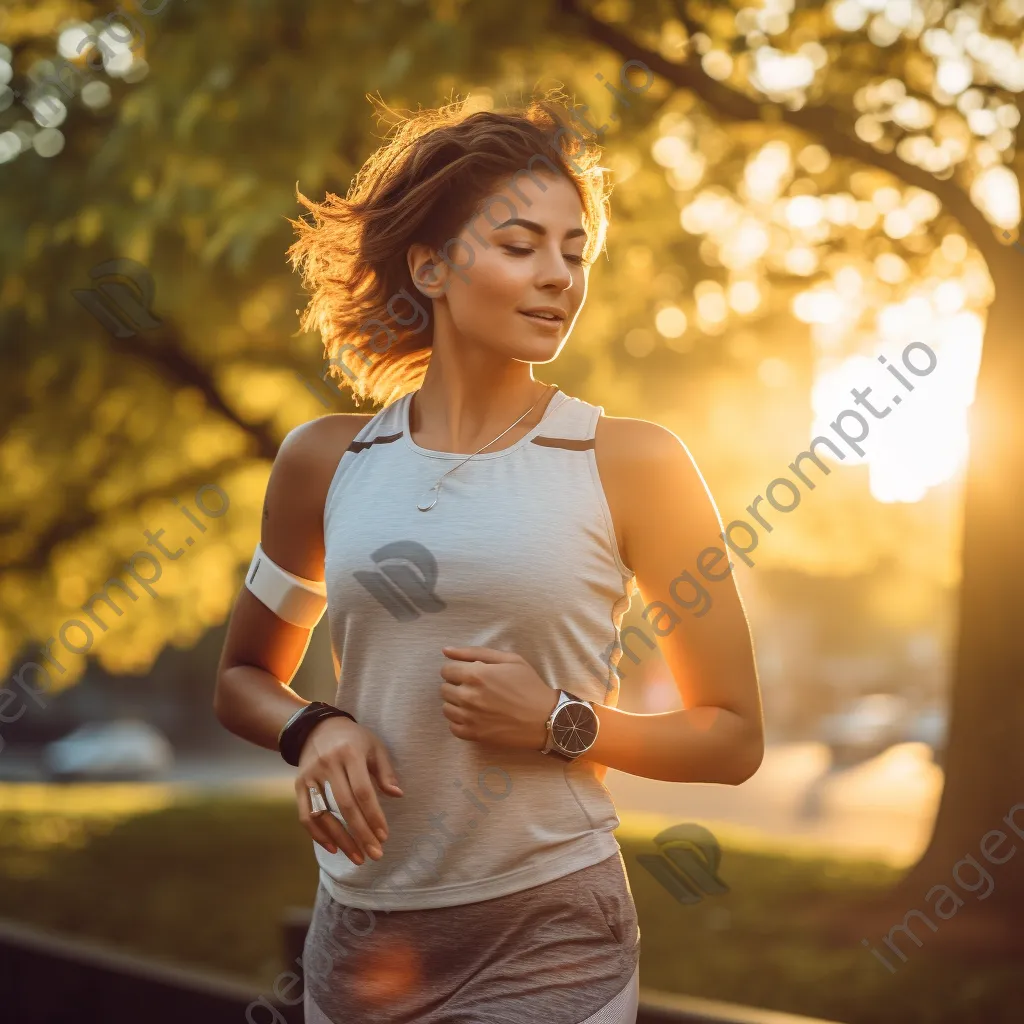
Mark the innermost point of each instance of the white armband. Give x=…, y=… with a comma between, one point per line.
x=292, y=598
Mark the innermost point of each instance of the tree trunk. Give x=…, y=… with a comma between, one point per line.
x=985, y=758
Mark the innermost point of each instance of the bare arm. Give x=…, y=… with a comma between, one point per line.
x=262, y=652
x=253, y=697
x=667, y=521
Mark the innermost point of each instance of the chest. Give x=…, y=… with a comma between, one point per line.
x=505, y=538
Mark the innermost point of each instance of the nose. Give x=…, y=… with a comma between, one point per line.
x=554, y=273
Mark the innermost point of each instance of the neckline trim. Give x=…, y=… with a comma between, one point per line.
x=554, y=403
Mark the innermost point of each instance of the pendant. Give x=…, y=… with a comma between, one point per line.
x=425, y=505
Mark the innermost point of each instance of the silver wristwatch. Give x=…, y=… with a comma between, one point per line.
x=571, y=727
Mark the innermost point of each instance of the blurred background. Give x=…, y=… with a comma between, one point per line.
x=802, y=187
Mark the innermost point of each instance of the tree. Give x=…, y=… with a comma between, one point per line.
x=961, y=79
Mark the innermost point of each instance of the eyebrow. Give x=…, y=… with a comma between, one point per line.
x=538, y=229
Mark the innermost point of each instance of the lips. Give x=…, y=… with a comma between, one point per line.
x=544, y=318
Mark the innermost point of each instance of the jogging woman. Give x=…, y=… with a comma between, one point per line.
x=476, y=543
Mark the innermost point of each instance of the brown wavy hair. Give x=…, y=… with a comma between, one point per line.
x=423, y=184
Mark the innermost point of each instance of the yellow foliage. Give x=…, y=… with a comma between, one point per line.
x=89, y=225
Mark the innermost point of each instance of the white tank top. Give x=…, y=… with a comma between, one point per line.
x=518, y=554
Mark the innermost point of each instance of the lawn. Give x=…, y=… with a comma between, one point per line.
x=206, y=882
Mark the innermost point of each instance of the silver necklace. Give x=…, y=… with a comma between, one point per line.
x=423, y=505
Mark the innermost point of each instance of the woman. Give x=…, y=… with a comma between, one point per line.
x=476, y=542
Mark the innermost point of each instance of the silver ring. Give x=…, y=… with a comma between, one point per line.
x=316, y=802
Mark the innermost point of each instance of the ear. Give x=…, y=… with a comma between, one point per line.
x=429, y=273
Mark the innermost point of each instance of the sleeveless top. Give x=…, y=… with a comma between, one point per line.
x=518, y=554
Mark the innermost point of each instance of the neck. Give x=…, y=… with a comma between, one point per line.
x=456, y=410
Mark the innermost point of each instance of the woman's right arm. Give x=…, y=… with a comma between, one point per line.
x=253, y=697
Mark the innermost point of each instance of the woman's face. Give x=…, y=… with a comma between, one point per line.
x=519, y=257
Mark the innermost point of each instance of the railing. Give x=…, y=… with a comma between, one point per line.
x=49, y=979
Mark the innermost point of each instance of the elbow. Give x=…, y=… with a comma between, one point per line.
x=747, y=759
x=221, y=702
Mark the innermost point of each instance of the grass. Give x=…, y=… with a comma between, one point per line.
x=206, y=881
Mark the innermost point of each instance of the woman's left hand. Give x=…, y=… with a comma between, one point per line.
x=495, y=697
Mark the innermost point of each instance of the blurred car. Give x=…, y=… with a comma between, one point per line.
x=930, y=725
x=129, y=749
x=868, y=727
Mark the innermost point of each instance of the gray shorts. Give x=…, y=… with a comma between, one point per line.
x=561, y=952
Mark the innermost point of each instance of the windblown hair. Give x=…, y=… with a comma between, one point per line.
x=423, y=185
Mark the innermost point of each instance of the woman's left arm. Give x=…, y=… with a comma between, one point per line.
x=667, y=528
x=670, y=536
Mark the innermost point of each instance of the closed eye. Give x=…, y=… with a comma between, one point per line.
x=516, y=250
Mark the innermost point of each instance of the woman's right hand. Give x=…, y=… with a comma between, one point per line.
x=343, y=753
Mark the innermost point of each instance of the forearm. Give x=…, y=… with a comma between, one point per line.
x=252, y=704
x=695, y=745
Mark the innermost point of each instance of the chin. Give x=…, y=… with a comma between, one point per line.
x=539, y=349
x=536, y=353
x=526, y=347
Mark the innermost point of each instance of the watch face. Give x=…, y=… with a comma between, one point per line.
x=574, y=728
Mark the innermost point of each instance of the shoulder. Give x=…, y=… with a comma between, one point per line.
x=321, y=441
x=292, y=530
x=309, y=455
x=638, y=448
x=648, y=474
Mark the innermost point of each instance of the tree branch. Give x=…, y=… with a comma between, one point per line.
x=65, y=529
x=163, y=349
x=689, y=23
x=816, y=121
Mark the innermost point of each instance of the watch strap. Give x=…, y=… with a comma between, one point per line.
x=549, y=739
x=297, y=729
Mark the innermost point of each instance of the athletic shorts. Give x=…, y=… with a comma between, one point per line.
x=564, y=952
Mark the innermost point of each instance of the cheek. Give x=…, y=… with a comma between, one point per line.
x=495, y=282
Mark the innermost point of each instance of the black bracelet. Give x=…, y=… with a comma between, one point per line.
x=295, y=733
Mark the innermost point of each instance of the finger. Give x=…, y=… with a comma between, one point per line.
x=453, y=693
x=459, y=672
x=326, y=828
x=317, y=826
x=348, y=803
x=383, y=770
x=456, y=715
x=362, y=789
x=461, y=732
x=485, y=654
x=340, y=836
